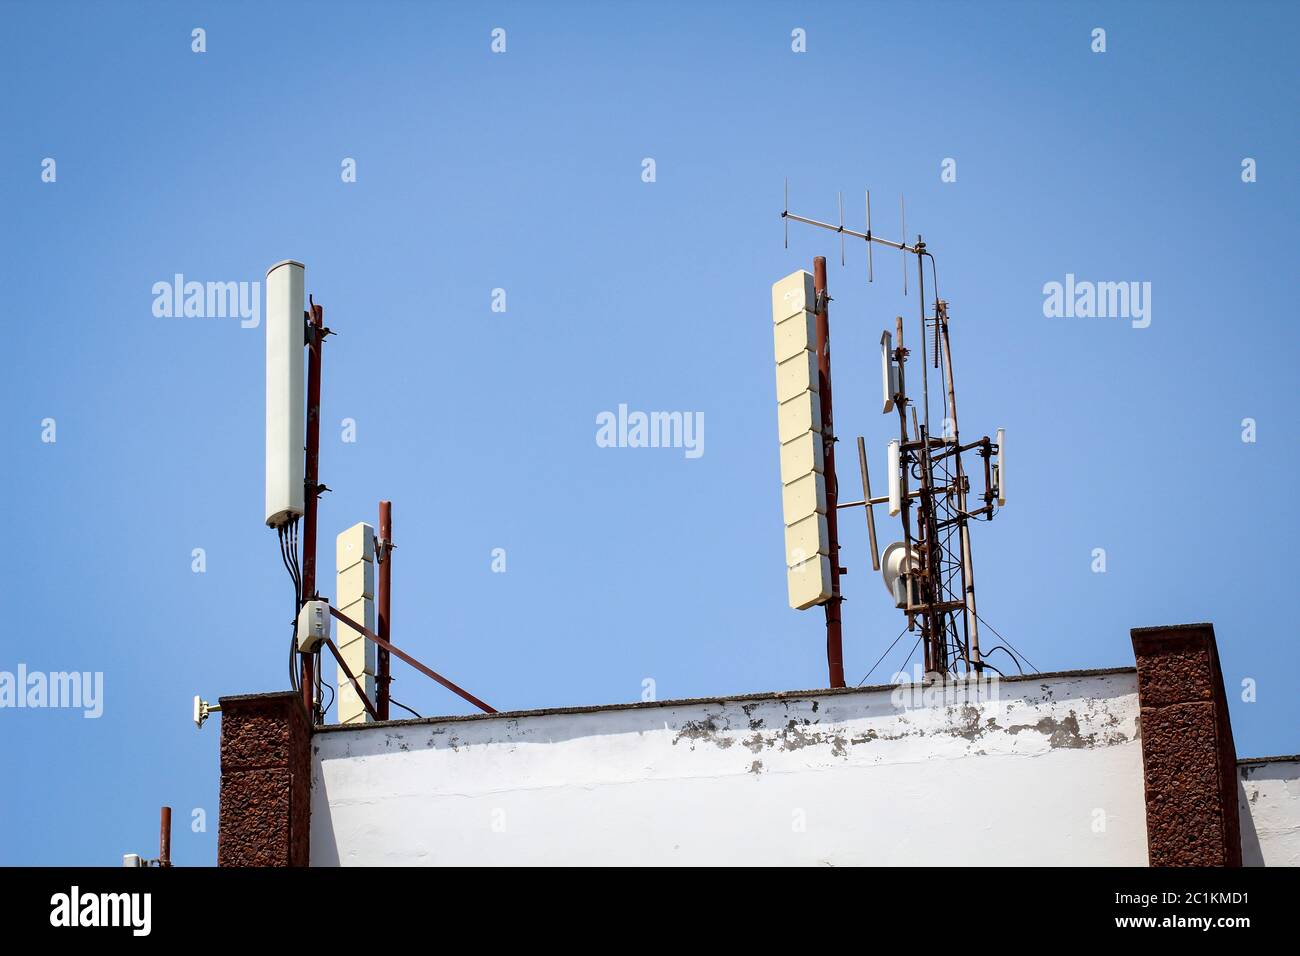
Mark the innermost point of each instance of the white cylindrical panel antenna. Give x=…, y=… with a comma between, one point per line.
x=895, y=479
x=285, y=396
x=1002, y=467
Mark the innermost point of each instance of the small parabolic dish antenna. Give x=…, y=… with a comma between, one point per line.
x=894, y=565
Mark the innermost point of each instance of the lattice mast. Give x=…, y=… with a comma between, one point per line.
x=931, y=572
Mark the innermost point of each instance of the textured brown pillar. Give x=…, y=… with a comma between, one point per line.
x=1188, y=757
x=265, y=781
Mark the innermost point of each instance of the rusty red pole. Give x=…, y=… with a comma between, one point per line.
x=834, y=633
x=385, y=557
x=165, y=838
x=315, y=338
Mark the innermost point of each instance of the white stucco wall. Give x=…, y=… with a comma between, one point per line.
x=1047, y=770
x=1269, y=799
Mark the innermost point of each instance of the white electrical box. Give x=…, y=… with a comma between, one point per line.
x=797, y=375
x=804, y=497
x=355, y=544
x=363, y=612
x=792, y=295
x=804, y=538
x=801, y=414
x=793, y=335
x=313, y=625
x=355, y=594
x=809, y=583
x=356, y=582
x=800, y=456
x=286, y=415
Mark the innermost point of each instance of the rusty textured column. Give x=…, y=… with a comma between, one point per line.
x=834, y=630
x=1189, y=760
x=265, y=808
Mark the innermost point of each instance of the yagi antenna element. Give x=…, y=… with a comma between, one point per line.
x=902, y=217
x=840, y=196
x=869, y=236
x=871, y=272
x=785, y=209
x=867, y=503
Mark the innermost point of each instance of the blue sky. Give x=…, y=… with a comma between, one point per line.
x=522, y=171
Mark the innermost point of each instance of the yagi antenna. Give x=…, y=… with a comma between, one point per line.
x=867, y=503
x=869, y=236
x=902, y=215
x=871, y=272
x=840, y=196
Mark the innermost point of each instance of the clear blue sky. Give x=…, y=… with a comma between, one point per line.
x=522, y=171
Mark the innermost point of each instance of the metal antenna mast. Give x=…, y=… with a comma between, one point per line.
x=931, y=572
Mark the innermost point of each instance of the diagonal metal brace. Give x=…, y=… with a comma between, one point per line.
x=355, y=686
x=397, y=652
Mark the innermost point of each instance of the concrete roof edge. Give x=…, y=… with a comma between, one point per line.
x=1256, y=761
x=689, y=701
x=262, y=695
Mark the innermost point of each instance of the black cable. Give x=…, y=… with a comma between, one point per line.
x=985, y=663
x=910, y=653
x=933, y=275
x=282, y=533
x=882, y=656
x=325, y=709
x=295, y=569
x=319, y=669
x=393, y=700
x=999, y=647
x=1008, y=643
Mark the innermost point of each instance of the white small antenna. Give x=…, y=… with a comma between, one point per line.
x=202, y=710
x=1000, y=474
x=895, y=489
x=888, y=372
